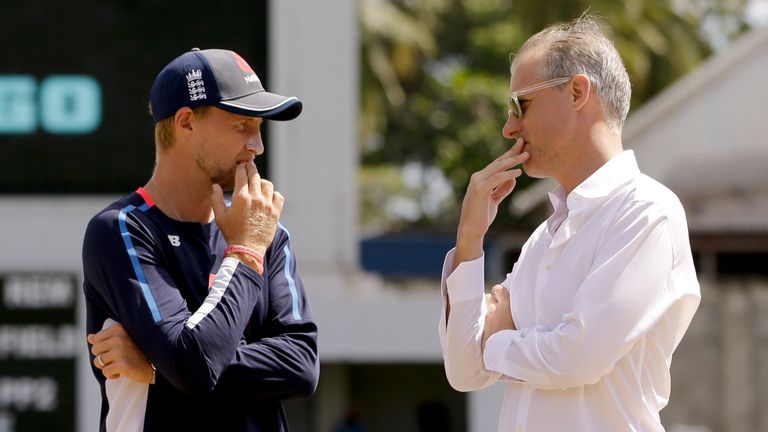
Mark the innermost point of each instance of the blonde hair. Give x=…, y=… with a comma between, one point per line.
x=164, y=127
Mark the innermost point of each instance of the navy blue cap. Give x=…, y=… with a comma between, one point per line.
x=220, y=78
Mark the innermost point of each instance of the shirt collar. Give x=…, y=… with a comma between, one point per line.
x=616, y=172
x=558, y=199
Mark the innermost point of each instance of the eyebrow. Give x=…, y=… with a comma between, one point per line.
x=247, y=120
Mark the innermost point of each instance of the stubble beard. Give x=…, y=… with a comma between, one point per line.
x=217, y=175
x=541, y=163
x=531, y=166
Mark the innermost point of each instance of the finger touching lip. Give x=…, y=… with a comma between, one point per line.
x=522, y=142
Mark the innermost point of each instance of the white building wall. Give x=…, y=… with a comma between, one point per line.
x=711, y=115
x=314, y=55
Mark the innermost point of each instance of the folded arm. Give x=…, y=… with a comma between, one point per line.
x=279, y=362
x=624, y=295
x=189, y=348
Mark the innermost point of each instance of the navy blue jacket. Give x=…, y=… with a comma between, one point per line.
x=229, y=344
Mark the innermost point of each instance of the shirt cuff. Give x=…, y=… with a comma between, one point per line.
x=467, y=281
x=495, y=351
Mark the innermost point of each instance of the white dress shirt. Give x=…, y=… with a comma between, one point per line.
x=601, y=296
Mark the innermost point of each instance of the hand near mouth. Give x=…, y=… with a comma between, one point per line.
x=251, y=220
x=487, y=188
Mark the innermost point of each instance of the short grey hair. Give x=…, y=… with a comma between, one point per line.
x=581, y=47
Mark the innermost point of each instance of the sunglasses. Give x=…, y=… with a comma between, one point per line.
x=513, y=104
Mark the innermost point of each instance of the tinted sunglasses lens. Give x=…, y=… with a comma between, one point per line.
x=513, y=107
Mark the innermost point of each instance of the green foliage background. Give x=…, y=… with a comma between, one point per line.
x=435, y=78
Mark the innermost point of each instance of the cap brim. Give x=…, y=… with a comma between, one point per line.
x=264, y=104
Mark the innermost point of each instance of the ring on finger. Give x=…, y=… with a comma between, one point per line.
x=99, y=361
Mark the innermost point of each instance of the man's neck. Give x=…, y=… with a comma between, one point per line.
x=181, y=196
x=601, y=144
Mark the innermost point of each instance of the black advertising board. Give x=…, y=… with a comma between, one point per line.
x=75, y=80
x=39, y=345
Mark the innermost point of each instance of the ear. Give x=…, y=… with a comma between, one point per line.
x=580, y=90
x=183, y=119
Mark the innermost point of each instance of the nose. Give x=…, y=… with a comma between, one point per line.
x=512, y=127
x=255, y=145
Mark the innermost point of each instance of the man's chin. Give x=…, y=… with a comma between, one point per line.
x=531, y=171
x=227, y=185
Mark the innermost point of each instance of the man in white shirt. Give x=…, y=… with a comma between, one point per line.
x=583, y=329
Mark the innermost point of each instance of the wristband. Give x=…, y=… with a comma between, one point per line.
x=249, y=253
x=246, y=251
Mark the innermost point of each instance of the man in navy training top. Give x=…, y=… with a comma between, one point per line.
x=197, y=318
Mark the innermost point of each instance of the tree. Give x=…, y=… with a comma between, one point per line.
x=436, y=73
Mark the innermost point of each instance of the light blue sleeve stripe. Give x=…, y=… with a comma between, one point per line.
x=135, y=260
x=282, y=227
x=291, y=284
x=289, y=278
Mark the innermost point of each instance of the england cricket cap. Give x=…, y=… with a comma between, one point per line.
x=220, y=78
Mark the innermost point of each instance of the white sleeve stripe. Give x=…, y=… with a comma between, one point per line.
x=219, y=286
